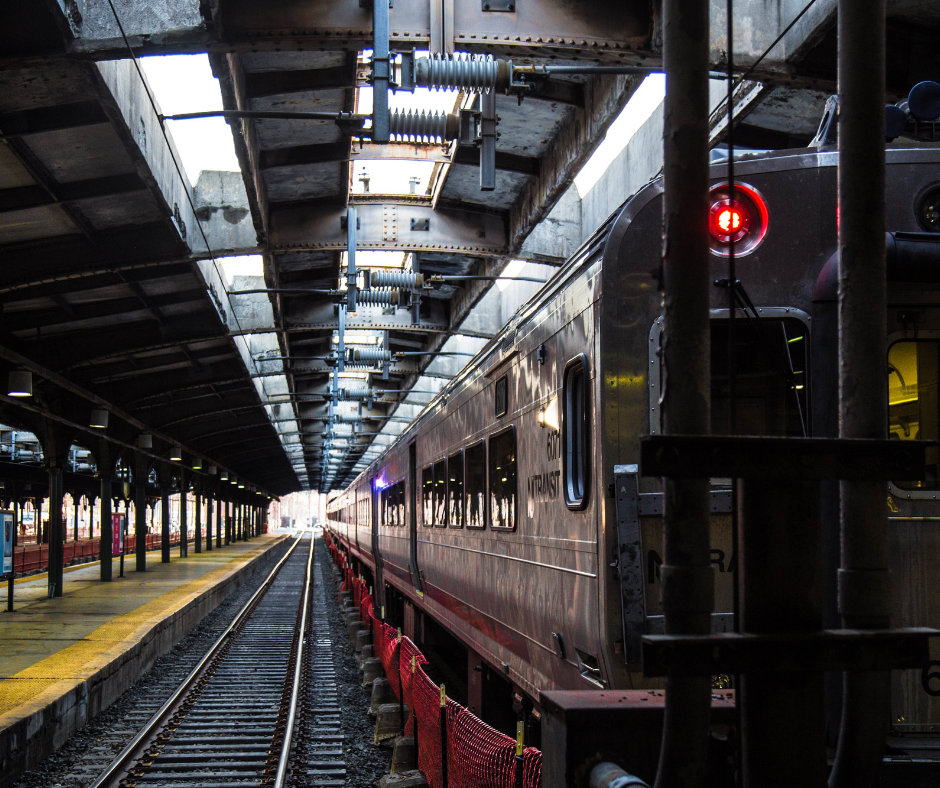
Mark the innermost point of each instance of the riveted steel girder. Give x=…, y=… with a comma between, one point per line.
x=388, y=225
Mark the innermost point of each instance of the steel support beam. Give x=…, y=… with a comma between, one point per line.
x=394, y=225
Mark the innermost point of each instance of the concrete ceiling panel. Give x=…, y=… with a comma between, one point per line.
x=287, y=133
x=119, y=210
x=298, y=183
x=463, y=185
x=57, y=82
x=790, y=110
x=13, y=174
x=81, y=153
x=46, y=221
x=528, y=128
x=291, y=61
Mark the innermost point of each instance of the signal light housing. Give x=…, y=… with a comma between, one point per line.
x=740, y=220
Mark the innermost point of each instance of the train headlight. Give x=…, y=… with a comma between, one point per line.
x=928, y=209
x=740, y=219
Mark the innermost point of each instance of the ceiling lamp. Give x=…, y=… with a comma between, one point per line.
x=197, y=464
x=145, y=441
x=213, y=470
x=20, y=384
x=224, y=476
x=99, y=419
x=176, y=454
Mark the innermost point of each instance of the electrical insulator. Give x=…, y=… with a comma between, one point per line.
x=371, y=354
x=457, y=71
x=356, y=393
x=380, y=297
x=406, y=280
x=423, y=126
x=345, y=419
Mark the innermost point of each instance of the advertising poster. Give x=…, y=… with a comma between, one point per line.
x=117, y=534
x=6, y=545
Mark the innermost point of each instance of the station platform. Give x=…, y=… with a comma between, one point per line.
x=62, y=661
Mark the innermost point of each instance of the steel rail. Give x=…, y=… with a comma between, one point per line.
x=298, y=672
x=133, y=752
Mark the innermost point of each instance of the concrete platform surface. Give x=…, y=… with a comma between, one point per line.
x=64, y=660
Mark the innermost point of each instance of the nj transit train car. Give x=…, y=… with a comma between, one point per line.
x=511, y=512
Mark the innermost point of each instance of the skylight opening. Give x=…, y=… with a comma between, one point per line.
x=641, y=106
x=185, y=83
x=374, y=259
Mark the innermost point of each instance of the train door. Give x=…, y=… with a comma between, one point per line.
x=413, y=514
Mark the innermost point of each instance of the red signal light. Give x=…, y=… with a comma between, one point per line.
x=741, y=220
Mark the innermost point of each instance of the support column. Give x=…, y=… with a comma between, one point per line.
x=56, y=533
x=140, y=512
x=209, y=523
x=91, y=516
x=74, y=518
x=219, y=517
x=197, y=522
x=228, y=522
x=184, y=526
x=687, y=581
x=165, y=526
x=105, y=551
x=864, y=587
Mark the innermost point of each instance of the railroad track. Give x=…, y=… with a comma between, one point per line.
x=237, y=718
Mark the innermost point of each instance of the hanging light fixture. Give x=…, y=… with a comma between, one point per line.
x=145, y=440
x=224, y=476
x=197, y=464
x=213, y=470
x=99, y=419
x=176, y=454
x=20, y=384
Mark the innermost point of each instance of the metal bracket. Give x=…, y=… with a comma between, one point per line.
x=421, y=225
x=630, y=560
x=498, y=5
x=343, y=222
x=651, y=504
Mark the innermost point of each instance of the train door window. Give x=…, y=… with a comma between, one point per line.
x=475, y=485
x=914, y=402
x=427, y=495
x=383, y=506
x=400, y=503
x=575, y=432
x=771, y=377
x=503, y=479
x=440, y=493
x=502, y=396
x=455, y=490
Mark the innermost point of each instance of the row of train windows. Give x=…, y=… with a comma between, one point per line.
x=454, y=491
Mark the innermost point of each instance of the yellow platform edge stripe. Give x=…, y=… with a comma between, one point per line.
x=95, y=652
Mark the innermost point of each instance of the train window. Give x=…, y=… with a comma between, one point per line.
x=502, y=396
x=914, y=402
x=400, y=504
x=771, y=377
x=575, y=432
x=427, y=495
x=455, y=490
x=440, y=493
x=475, y=485
x=503, y=479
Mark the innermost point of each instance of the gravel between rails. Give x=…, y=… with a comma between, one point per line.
x=89, y=751
x=365, y=763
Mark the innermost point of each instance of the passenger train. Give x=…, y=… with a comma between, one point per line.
x=495, y=515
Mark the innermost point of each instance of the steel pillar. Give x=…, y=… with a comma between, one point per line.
x=209, y=523
x=780, y=584
x=106, y=536
x=219, y=517
x=55, y=575
x=140, y=513
x=687, y=582
x=228, y=522
x=184, y=527
x=164, y=526
x=197, y=523
x=864, y=583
